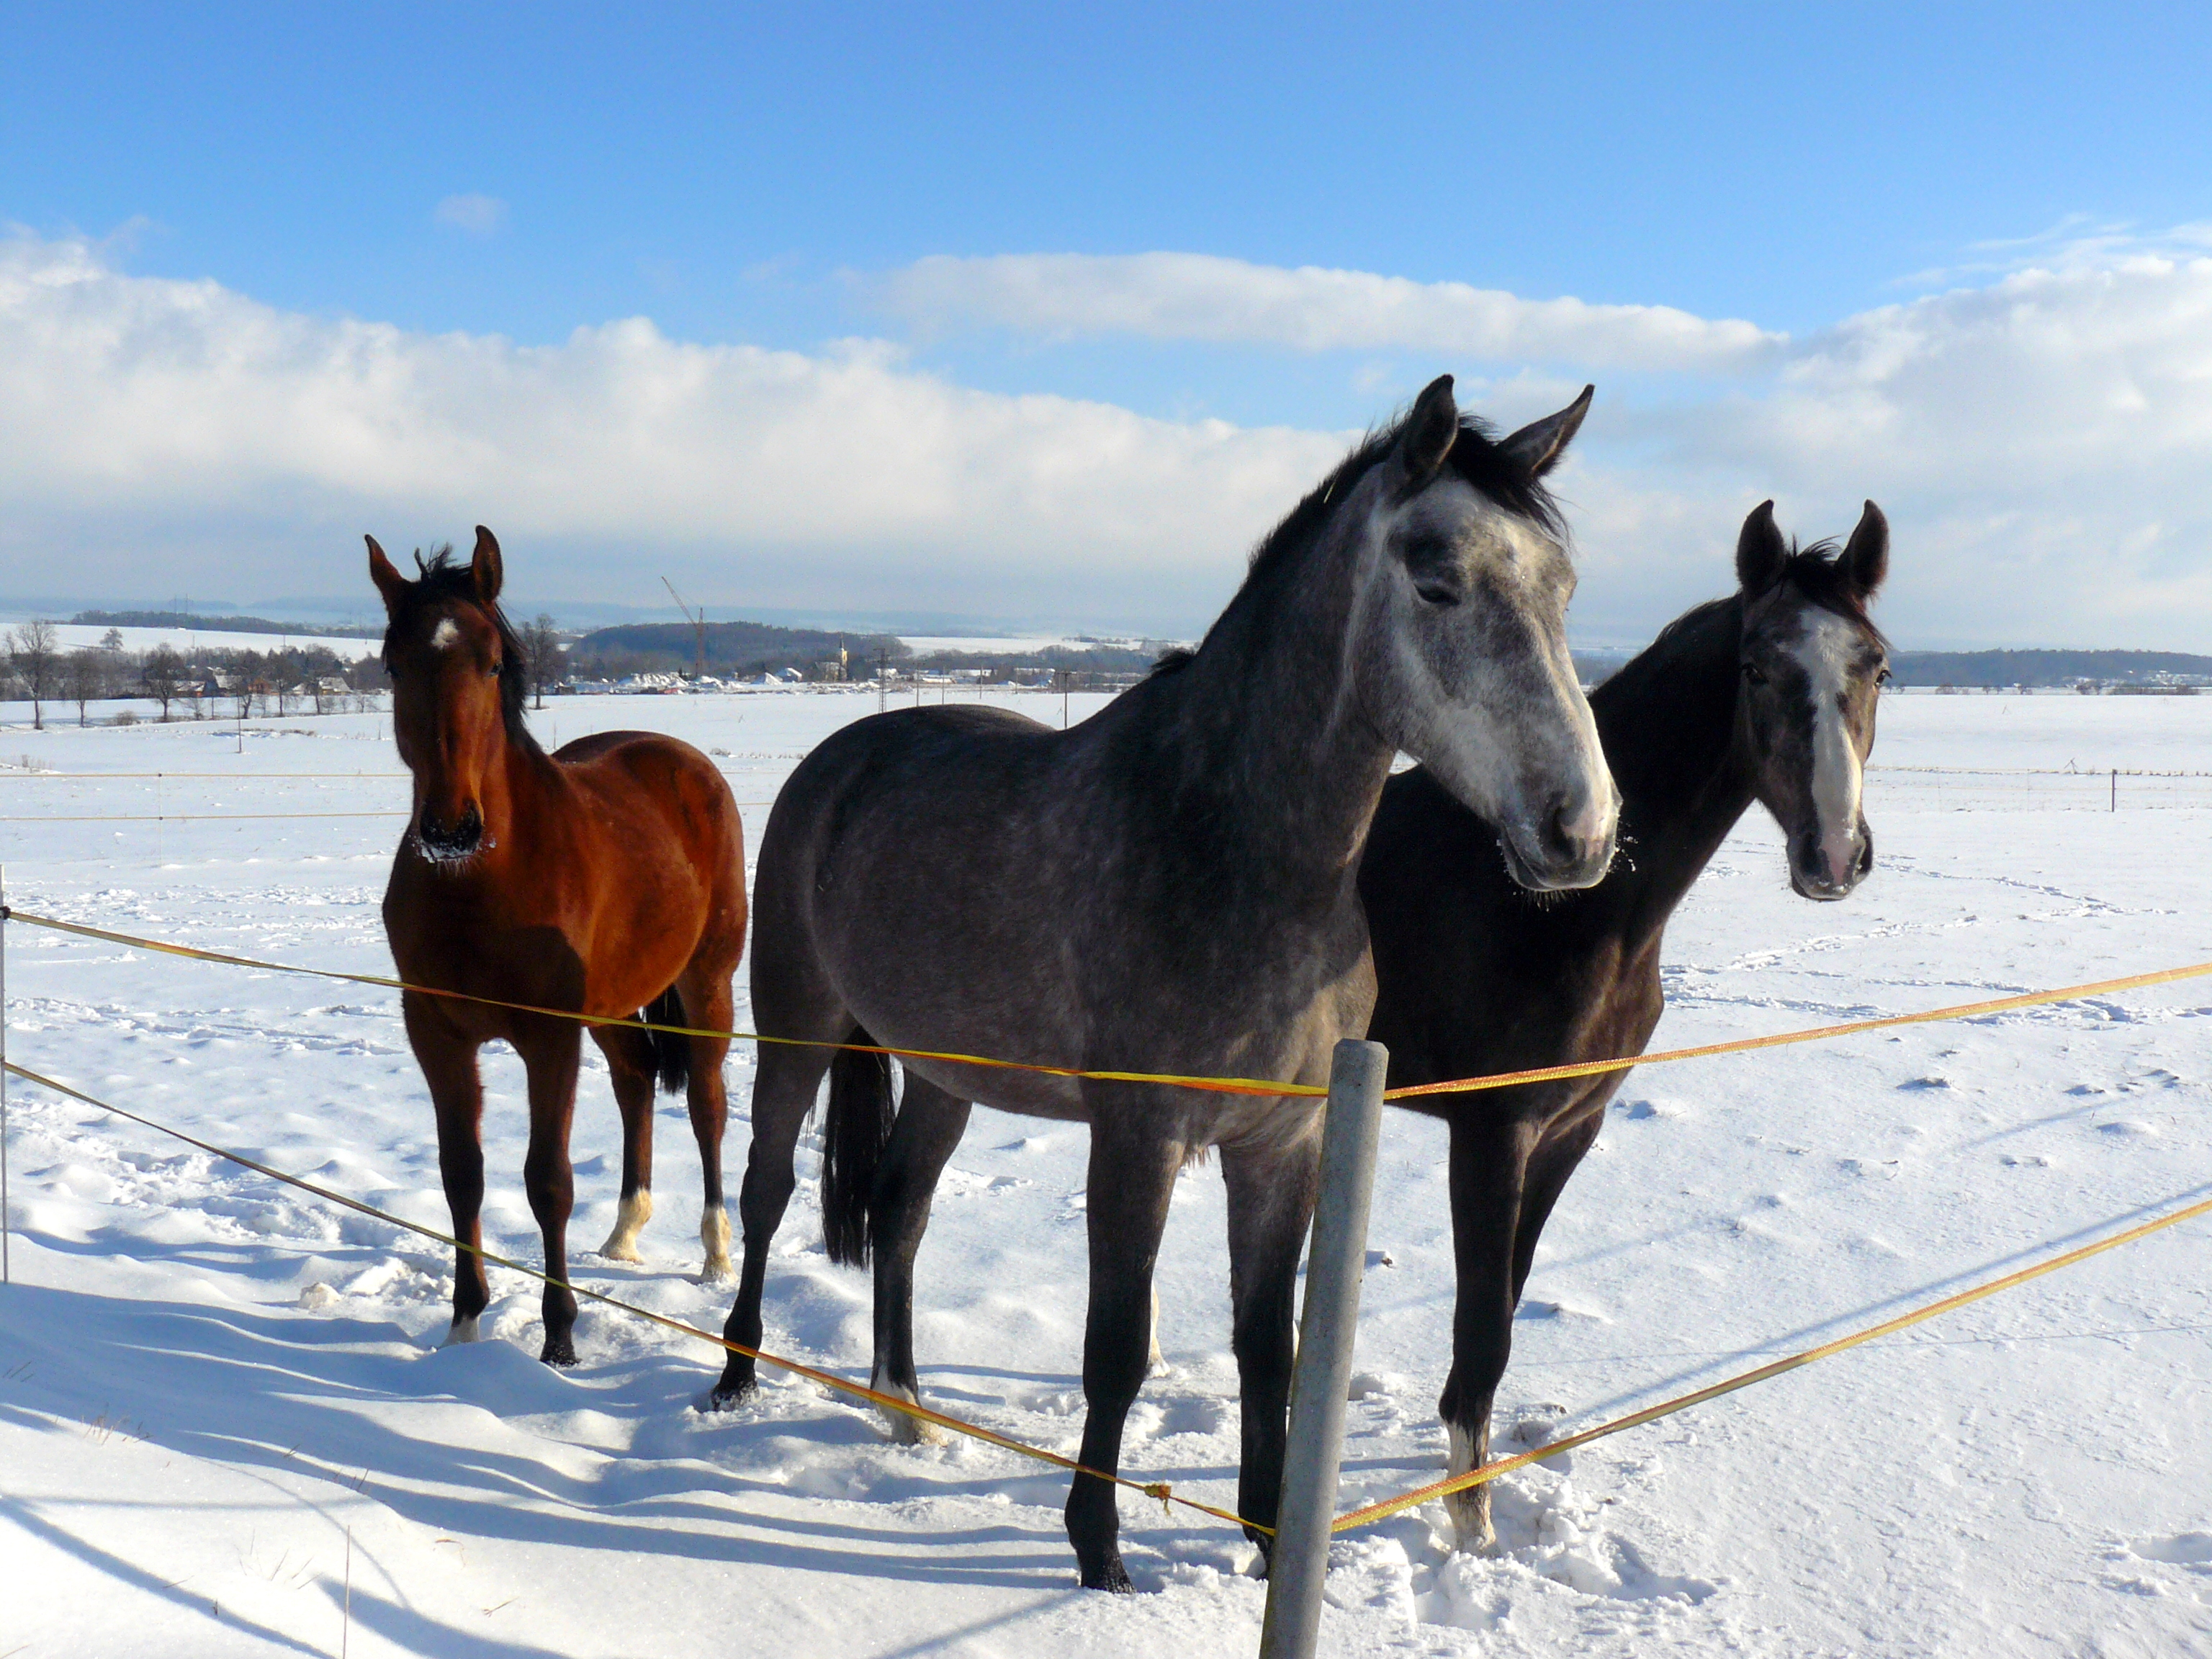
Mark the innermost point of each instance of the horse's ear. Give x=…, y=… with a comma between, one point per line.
x=1760, y=552
x=1866, y=556
x=485, y=566
x=389, y=582
x=1429, y=433
x=1537, y=447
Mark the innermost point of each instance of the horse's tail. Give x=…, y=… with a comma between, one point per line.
x=672, y=1054
x=854, y=1132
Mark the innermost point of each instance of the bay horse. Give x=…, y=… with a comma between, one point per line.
x=1171, y=886
x=1768, y=694
x=605, y=878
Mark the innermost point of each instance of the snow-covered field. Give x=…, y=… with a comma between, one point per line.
x=207, y=1382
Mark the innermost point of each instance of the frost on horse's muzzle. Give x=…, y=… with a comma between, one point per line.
x=449, y=843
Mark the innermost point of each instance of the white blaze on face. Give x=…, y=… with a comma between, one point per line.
x=445, y=634
x=1827, y=652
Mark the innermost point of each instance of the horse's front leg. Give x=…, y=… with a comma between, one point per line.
x=1134, y=1157
x=448, y=1059
x=1271, y=1201
x=549, y=1051
x=1489, y=1175
x=783, y=1094
x=929, y=1126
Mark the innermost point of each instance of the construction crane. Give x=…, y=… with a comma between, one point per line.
x=697, y=619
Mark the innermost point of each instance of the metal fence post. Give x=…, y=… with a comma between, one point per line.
x=1299, y=1561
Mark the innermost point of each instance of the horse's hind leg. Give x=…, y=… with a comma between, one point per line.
x=448, y=1060
x=708, y=1006
x=1549, y=1168
x=1489, y=1176
x=1271, y=1201
x=549, y=1051
x=787, y=1077
x=930, y=1124
x=629, y=1068
x=1135, y=1160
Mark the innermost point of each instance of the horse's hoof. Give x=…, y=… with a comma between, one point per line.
x=1474, y=1536
x=729, y=1399
x=462, y=1330
x=561, y=1353
x=714, y=1234
x=1112, y=1578
x=629, y=1221
x=905, y=1431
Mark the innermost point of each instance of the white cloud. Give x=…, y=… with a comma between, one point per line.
x=479, y=215
x=1195, y=296
x=2042, y=444
x=847, y=477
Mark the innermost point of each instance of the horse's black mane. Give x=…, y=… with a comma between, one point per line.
x=1475, y=457
x=443, y=580
x=1819, y=573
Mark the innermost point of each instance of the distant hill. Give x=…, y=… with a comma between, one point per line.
x=741, y=648
x=207, y=624
x=1998, y=668
x=2046, y=667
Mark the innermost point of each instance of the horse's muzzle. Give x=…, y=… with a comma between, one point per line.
x=1572, y=848
x=443, y=842
x=1818, y=872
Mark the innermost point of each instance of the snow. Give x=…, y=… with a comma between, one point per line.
x=208, y=1384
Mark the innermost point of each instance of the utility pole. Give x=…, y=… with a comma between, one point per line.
x=698, y=624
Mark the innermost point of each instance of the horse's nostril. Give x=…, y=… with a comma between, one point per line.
x=1559, y=838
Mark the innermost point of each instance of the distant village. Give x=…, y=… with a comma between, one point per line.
x=54, y=666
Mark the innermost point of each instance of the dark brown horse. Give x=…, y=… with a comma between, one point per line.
x=606, y=878
x=1768, y=694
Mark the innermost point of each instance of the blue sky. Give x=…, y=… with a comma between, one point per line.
x=756, y=179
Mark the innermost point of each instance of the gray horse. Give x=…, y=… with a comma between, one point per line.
x=1171, y=887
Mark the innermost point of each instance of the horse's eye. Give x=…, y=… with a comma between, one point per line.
x=1754, y=673
x=495, y=670
x=1432, y=594
x=1884, y=678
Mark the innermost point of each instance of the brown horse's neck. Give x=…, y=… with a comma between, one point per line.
x=525, y=779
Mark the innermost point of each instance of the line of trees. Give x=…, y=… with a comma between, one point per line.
x=35, y=667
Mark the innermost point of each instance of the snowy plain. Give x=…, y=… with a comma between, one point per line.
x=208, y=1385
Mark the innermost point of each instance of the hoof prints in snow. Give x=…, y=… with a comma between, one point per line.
x=279, y=1360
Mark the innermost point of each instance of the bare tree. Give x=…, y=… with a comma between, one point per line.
x=541, y=645
x=163, y=677
x=86, y=676
x=37, y=656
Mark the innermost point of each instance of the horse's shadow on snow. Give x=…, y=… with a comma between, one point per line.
x=358, y=1404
